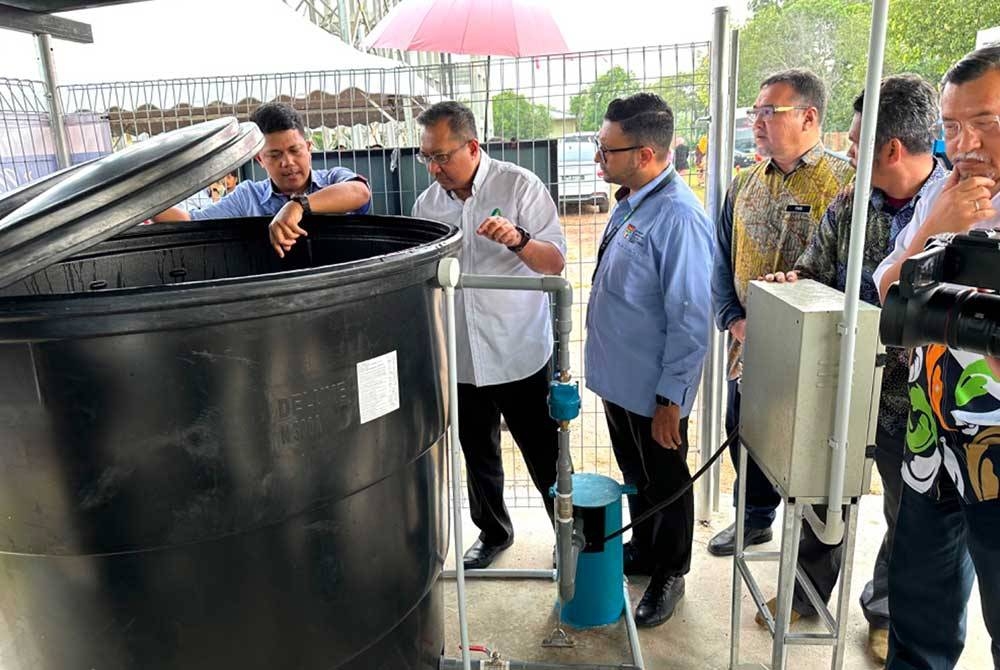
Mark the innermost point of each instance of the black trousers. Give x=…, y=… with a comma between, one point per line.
x=657, y=473
x=821, y=562
x=762, y=498
x=524, y=405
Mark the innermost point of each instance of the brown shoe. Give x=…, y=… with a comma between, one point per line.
x=878, y=643
x=772, y=607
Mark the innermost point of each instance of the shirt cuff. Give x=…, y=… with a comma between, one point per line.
x=674, y=391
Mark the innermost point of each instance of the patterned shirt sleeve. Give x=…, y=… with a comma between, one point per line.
x=724, y=299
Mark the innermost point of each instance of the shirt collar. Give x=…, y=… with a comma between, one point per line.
x=268, y=190
x=480, y=177
x=633, y=199
x=878, y=197
x=811, y=157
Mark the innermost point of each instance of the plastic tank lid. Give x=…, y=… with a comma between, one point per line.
x=106, y=196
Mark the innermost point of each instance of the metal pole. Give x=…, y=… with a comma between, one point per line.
x=844, y=594
x=345, y=22
x=633, y=633
x=505, y=573
x=56, y=116
x=716, y=179
x=737, y=597
x=719, y=397
x=790, y=535
x=506, y=664
x=832, y=531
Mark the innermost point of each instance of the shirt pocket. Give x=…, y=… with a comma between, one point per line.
x=632, y=274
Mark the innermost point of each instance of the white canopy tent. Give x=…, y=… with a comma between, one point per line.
x=172, y=39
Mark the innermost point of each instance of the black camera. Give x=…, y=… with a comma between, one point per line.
x=946, y=295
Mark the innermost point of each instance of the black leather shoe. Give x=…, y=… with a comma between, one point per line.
x=659, y=600
x=635, y=562
x=724, y=543
x=480, y=554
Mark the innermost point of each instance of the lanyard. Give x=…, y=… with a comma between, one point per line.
x=610, y=234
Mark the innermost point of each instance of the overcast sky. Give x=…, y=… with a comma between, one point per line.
x=194, y=33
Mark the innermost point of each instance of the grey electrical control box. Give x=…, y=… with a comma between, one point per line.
x=789, y=388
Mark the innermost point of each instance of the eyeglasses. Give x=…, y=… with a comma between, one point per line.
x=767, y=112
x=983, y=126
x=604, y=152
x=438, y=159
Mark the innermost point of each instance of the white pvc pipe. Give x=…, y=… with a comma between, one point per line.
x=832, y=531
x=448, y=273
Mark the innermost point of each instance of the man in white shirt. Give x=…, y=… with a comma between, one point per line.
x=510, y=226
x=948, y=524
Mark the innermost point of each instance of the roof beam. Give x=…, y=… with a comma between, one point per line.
x=36, y=23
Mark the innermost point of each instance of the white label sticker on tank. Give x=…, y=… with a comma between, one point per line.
x=378, y=386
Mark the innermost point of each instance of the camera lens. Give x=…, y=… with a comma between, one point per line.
x=957, y=316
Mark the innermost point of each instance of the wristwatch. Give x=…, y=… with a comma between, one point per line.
x=303, y=201
x=665, y=402
x=525, y=238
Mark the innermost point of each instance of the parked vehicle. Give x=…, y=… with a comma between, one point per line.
x=580, y=179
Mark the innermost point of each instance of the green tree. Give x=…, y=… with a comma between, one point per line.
x=688, y=96
x=589, y=106
x=928, y=36
x=516, y=116
x=829, y=37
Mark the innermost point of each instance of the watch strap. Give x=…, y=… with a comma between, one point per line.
x=525, y=238
x=303, y=201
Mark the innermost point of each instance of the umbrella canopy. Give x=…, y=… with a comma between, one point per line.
x=475, y=27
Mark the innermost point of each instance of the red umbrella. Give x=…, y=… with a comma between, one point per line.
x=475, y=27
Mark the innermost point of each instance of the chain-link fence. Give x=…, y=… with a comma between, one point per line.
x=541, y=113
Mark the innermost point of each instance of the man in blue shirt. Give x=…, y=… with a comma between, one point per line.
x=293, y=189
x=647, y=333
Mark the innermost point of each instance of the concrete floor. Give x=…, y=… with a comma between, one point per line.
x=513, y=616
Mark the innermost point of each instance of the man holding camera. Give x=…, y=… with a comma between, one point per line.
x=948, y=526
x=903, y=172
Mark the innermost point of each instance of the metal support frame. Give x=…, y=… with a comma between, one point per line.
x=834, y=528
x=22, y=20
x=57, y=119
x=568, y=542
x=789, y=574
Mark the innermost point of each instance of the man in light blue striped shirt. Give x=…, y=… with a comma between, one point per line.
x=648, y=322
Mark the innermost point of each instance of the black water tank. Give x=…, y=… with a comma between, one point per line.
x=211, y=458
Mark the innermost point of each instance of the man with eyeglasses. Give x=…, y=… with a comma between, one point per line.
x=904, y=171
x=510, y=226
x=293, y=188
x=770, y=212
x=948, y=527
x=647, y=319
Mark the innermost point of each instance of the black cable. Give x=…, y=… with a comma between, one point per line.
x=676, y=496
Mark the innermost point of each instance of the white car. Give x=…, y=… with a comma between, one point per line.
x=580, y=178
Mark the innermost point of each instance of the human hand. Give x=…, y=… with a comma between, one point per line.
x=994, y=365
x=961, y=205
x=780, y=277
x=500, y=230
x=667, y=426
x=284, y=229
x=738, y=329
